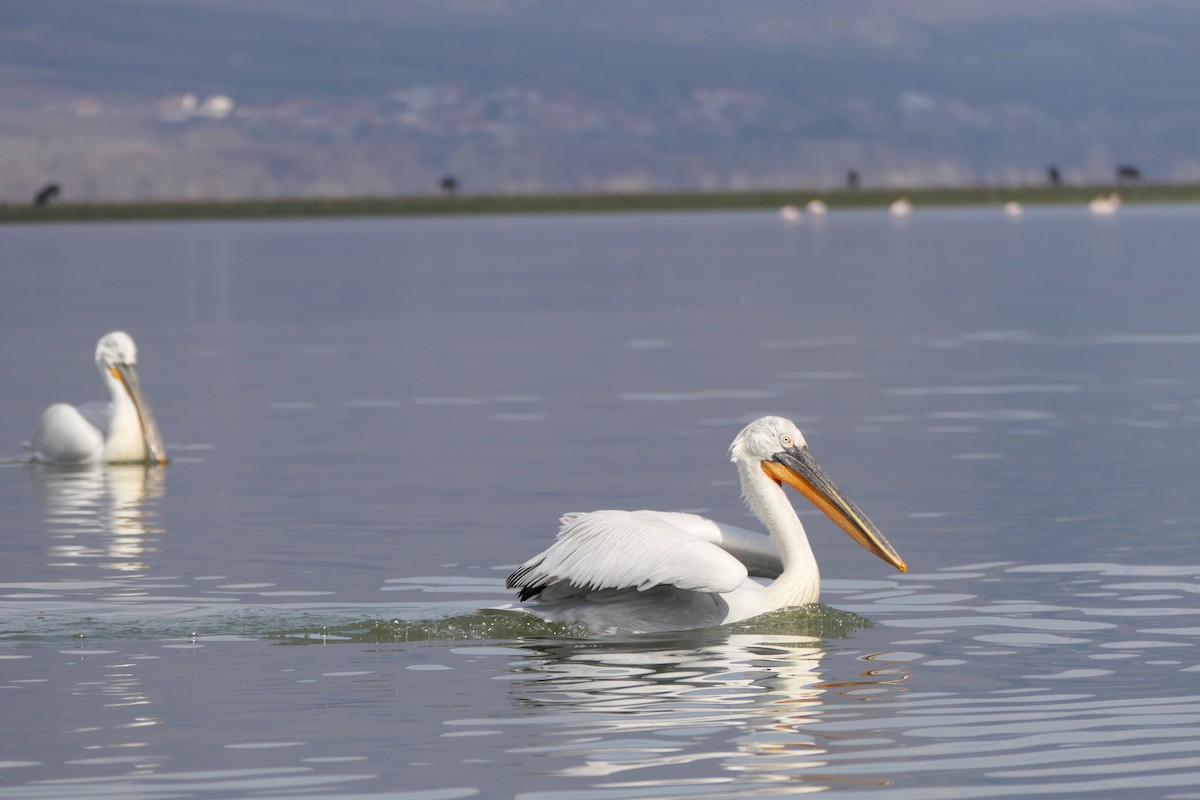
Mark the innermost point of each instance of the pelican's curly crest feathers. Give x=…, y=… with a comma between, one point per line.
x=116, y=347
x=760, y=439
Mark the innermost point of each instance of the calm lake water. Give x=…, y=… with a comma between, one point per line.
x=372, y=421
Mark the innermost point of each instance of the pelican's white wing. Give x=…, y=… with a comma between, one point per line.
x=65, y=436
x=757, y=551
x=632, y=550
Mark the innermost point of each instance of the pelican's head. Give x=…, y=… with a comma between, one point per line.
x=116, y=357
x=114, y=348
x=776, y=445
x=763, y=438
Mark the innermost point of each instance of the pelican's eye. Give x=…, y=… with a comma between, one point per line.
x=786, y=440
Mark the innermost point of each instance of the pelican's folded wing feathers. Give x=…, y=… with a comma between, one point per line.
x=630, y=550
x=757, y=551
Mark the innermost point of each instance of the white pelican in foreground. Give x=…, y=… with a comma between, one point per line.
x=122, y=431
x=639, y=571
x=901, y=207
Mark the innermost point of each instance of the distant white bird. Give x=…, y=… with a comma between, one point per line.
x=817, y=208
x=121, y=431
x=790, y=214
x=638, y=571
x=901, y=207
x=1013, y=209
x=1103, y=206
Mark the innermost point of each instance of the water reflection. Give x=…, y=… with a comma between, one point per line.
x=106, y=512
x=750, y=704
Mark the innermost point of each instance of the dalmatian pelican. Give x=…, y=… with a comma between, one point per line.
x=640, y=571
x=121, y=431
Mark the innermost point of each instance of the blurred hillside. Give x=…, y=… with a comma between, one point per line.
x=142, y=99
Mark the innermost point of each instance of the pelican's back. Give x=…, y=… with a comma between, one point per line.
x=627, y=550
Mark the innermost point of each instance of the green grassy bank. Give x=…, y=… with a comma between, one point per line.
x=579, y=203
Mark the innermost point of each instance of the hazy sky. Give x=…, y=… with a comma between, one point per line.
x=1104, y=53
x=567, y=95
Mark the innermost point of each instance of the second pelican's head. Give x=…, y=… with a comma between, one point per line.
x=116, y=358
x=776, y=445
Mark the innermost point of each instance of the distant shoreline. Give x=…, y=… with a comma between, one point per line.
x=598, y=202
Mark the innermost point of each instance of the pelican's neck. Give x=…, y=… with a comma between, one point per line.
x=124, y=440
x=800, y=581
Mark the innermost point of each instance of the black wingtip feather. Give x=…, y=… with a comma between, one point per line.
x=527, y=590
x=518, y=575
x=530, y=591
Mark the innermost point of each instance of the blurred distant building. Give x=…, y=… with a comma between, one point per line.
x=182, y=107
x=177, y=107
x=219, y=106
x=86, y=106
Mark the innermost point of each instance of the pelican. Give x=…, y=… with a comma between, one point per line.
x=1105, y=206
x=639, y=571
x=901, y=207
x=790, y=214
x=1013, y=209
x=122, y=431
x=817, y=208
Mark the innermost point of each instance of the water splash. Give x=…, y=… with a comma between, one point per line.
x=308, y=623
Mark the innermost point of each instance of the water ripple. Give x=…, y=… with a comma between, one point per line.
x=897, y=683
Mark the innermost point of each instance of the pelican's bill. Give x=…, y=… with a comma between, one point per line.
x=797, y=468
x=127, y=375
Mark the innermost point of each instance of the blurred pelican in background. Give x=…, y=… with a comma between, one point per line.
x=120, y=431
x=1103, y=206
x=641, y=571
x=790, y=214
x=1013, y=209
x=817, y=208
x=901, y=207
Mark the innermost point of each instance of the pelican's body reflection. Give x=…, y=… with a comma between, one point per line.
x=103, y=516
x=751, y=705
x=102, y=512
